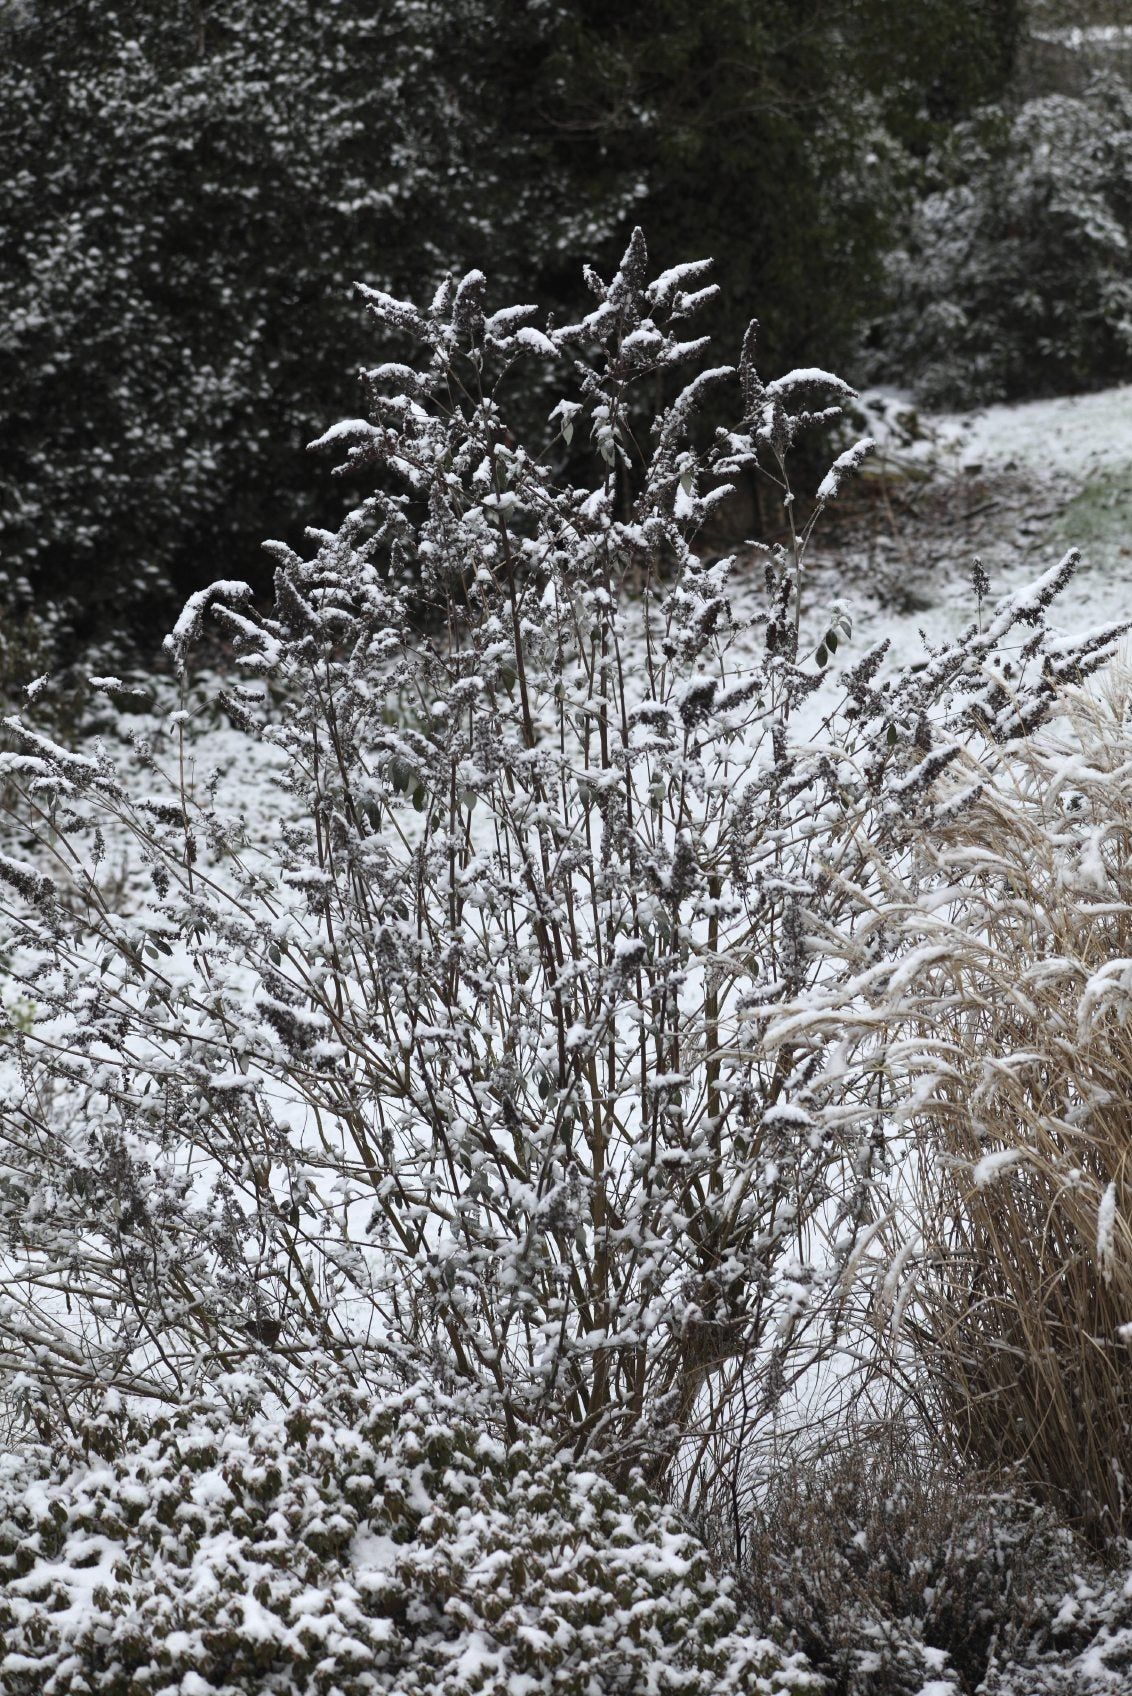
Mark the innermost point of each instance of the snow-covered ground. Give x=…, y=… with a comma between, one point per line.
x=1081, y=445
x=1077, y=436
x=1015, y=485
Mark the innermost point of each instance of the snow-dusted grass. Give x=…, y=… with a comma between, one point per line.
x=1075, y=452
x=1018, y=982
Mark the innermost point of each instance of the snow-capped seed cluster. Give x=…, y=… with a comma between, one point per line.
x=365, y=1542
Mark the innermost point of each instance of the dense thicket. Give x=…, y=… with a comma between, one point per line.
x=191, y=189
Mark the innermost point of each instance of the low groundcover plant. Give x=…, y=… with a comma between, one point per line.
x=364, y=1542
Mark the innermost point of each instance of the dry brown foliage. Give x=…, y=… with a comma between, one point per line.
x=893, y=1571
x=1018, y=1293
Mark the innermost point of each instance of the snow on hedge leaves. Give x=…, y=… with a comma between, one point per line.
x=360, y=1543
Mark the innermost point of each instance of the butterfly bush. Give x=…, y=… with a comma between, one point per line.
x=509, y=1052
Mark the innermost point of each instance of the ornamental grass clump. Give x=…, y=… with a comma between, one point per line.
x=516, y=1049
x=1017, y=1281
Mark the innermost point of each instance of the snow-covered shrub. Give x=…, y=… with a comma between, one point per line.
x=1015, y=274
x=1017, y=1282
x=895, y=1574
x=166, y=344
x=365, y=1542
x=503, y=1051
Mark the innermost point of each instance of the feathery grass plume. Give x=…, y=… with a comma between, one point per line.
x=1020, y=979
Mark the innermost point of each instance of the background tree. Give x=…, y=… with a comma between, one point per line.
x=773, y=134
x=1012, y=276
x=191, y=189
